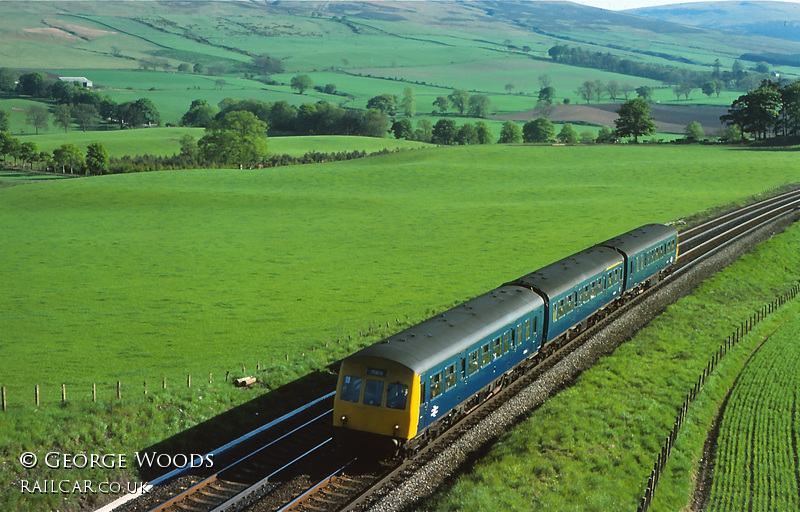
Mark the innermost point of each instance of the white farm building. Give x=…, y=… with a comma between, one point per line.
x=79, y=79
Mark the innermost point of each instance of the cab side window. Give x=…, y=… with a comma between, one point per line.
x=396, y=396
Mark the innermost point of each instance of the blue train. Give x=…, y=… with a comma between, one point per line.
x=413, y=384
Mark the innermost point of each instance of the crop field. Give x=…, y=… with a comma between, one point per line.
x=757, y=460
x=591, y=447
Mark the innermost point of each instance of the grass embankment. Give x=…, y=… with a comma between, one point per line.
x=756, y=465
x=138, y=277
x=592, y=446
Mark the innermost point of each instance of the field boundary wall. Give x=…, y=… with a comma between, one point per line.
x=740, y=332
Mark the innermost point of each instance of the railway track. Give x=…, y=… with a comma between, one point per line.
x=304, y=470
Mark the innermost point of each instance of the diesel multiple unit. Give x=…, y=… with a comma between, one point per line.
x=413, y=383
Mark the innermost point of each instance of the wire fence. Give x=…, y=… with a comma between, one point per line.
x=733, y=339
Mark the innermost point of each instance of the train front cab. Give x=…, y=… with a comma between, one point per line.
x=377, y=396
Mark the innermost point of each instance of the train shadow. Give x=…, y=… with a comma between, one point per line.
x=228, y=426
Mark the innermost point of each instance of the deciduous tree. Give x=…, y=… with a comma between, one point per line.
x=459, y=98
x=63, y=116
x=568, y=134
x=538, y=130
x=444, y=132
x=238, y=138
x=386, y=103
x=86, y=116
x=38, y=116
x=96, y=158
x=634, y=119
x=68, y=155
x=479, y=105
x=5, y=121
x=442, y=103
x=409, y=102
x=484, y=131
x=510, y=133
x=694, y=132
x=301, y=83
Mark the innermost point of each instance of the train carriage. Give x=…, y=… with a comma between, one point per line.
x=576, y=287
x=647, y=250
x=401, y=385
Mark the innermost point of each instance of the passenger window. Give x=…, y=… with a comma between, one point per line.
x=473, y=362
x=486, y=355
x=351, y=388
x=592, y=292
x=534, y=324
x=373, y=392
x=449, y=377
x=528, y=329
x=497, y=347
x=436, y=384
x=396, y=396
x=508, y=339
x=569, y=304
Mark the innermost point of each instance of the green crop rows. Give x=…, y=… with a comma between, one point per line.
x=757, y=459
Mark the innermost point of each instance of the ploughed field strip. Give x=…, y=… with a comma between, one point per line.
x=308, y=464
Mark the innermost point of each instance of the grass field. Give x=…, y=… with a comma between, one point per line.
x=757, y=445
x=165, y=272
x=139, y=277
x=592, y=446
x=166, y=142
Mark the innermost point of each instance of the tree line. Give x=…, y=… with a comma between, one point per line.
x=737, y=76
x=320, y=118
x=771, y=109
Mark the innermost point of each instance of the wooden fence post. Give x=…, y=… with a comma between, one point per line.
x=4, y=398
x=94, y=392
x=227, y=375
x=164, y=383
x=37, y=395
x=63, y=393
x=119, y=390
x=189, y=381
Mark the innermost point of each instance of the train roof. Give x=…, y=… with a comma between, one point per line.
x=640, y=239
x=572, y=271
x=437, y=339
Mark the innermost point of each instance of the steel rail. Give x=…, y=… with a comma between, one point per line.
x=216, y=476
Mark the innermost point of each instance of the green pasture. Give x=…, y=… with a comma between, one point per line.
x=166, y=142
x=193, y=271
x=592, y=446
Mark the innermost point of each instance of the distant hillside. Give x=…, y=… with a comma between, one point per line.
x=772, y=19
